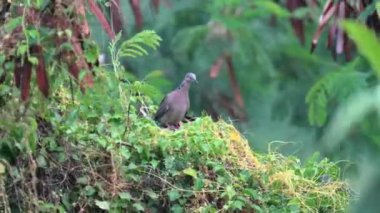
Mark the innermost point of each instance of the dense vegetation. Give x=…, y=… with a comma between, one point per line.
x=76, y=135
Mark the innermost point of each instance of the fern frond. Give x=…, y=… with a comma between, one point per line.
x=136, y=46
x=335, y=85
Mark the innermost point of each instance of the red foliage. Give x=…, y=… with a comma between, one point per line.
x=26, y=74
x=135, y=4
x=117, y=21
x=17, y=73
x=101, y=18
x=234, y=81
x=156, y=4
x=42, y=78
x=215, y=69
x=297, y=24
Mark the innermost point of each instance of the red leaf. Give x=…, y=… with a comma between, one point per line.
x=298, y=29
x=26, y=74
x=116, y=15
x=74, y=70
x=81, y=11
x=234, y=82
x=88, y=80
x=327, y=7
x=322, y=23
x=42, y=79
x=331, y=35
x=17, y=72
x=297, y=24
x=339, y=34
x=347, y=48
x=135, y=4
x=156, y=4
x=101, y=18
x=215, y=69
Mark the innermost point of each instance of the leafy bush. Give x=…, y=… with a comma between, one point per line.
x=96, y=153
x=101, y=151
x=95, y=157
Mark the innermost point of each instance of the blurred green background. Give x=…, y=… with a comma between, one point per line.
x=293, y=101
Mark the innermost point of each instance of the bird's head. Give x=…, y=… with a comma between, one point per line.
x=191, y=77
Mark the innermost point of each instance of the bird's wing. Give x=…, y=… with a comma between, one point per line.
x=164, y=107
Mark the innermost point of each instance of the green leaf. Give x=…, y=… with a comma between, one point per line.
x=82, y=180
x=33, y=33
x=2, y=169
x=366, y=41
x=2, y=58
x=68, y=32
x=230, y=192
x=90, y=190
x=91, y=51
x=133, y=47
x=368, y=10
x=21, y=49
x=199, y=184
x=154, y=163
x=105, y=205
x=138, y=206
x=237, y=204
x=294, y=205
x=125, y=196
x=41, y=162
x=191, y=172
x=273, y=8
x=173, y=195
x=339, y=85
x=177, y=209
x=33, y=60
x=12, y=24
x=152, y=194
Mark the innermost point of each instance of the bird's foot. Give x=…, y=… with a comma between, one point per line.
x=173, y=126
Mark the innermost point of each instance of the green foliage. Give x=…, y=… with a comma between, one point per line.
x=127, y=163
x=98, y=152
x=367, y=42
x=338, y=85
x=133, y=47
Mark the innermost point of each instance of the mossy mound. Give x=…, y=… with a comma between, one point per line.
x=91, y=160
x=98, y=153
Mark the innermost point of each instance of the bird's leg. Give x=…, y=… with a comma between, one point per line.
x=171, y=127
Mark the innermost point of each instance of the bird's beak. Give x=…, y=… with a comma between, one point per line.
x=195, y=80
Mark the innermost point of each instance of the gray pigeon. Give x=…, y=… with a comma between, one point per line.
x=175, y=104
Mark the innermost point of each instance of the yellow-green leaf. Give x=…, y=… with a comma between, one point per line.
x=366, y=41
x=191, y=172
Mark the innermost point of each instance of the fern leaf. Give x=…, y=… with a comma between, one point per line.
x=137, y=45
x=335, y=85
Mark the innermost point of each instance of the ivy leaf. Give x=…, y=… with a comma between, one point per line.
x=173, y=195
x=125, y=195
x=199, y=184
x=238, y=204
x=152, y=194
x=90, y=190
x=105, y=205
x=2, y=169
x=12, y=24
x=138, y=206
x=191, y=172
